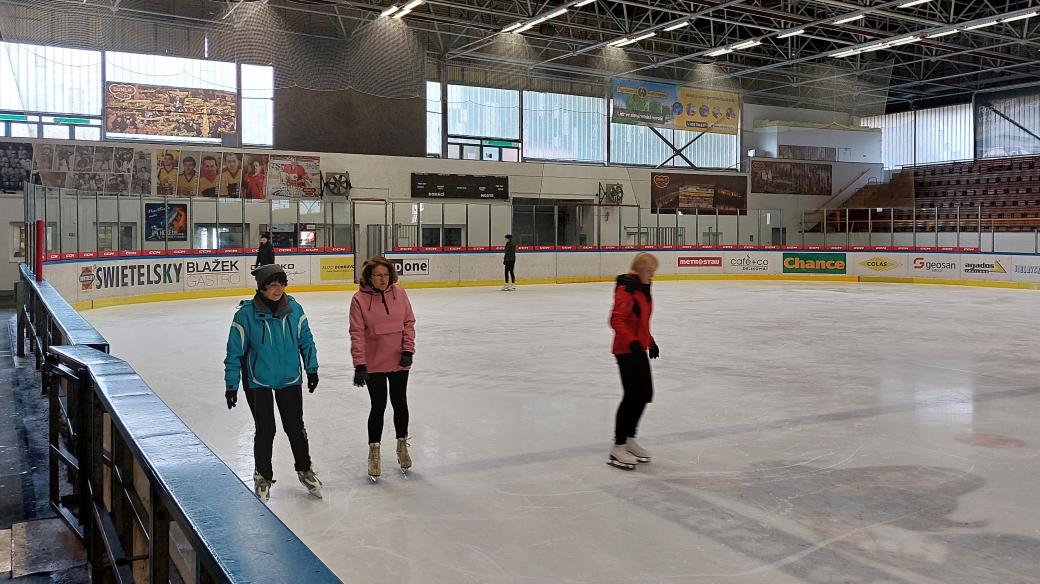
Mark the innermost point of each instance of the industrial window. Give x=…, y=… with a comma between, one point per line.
x=483, y=112
x=564, y=127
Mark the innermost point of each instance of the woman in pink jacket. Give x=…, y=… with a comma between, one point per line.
x=382, y=342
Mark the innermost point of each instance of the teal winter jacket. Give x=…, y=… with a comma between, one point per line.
x=269, y=346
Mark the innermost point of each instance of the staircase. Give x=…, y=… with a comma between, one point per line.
x=897, y=193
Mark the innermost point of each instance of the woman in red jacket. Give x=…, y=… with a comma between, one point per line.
x=630, y=319
x=382, y=342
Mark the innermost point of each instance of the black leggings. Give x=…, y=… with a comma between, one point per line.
x=638, y=391
x=377, y=390
x=510, y=272
x=290, y=409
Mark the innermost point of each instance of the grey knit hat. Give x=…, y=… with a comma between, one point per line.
x=267, y=274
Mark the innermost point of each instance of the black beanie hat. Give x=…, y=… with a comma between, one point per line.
x=266, y=274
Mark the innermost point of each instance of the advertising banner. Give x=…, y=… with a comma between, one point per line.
x=297, y=268
x=209, y=173
x=704, y=110
x=1025, y=268
x=934, y=265
x=411, y=266
x=790, y=178
x=157, y=110
x=745, y=263
x=164, y=222
x=141, y=181
x=792, y=152
x=294, y=176
x=645, y=103
x=878, y=264
x=188, y=179
x=254, y=185
x=669, y=106
x=687, y=192
x=700, y=264
x=125, y=278
x=166, y=162
x=231, y=176
x=215, y=273
x=814, y=263
x=986, y=267
x=337, y=268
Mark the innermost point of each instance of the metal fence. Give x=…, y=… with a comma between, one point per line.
x=149, y=500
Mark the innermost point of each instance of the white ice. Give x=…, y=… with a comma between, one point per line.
x=800, y=432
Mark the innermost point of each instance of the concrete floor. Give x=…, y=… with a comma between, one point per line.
x=801, y=433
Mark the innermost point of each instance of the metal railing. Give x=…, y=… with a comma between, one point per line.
x=147, y=497
x=84, y=222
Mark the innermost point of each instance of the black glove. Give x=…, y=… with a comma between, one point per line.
x=655, y=351
x=312, y=381
x=406, y=359
x=636, y=347
x=360, y=376
x=231, y=396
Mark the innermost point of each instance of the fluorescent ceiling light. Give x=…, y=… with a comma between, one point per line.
x=390, y=10
x=513, y=26
x=407, y=9
x=982, y=25
x=718, y=52
x=583, y=3
x=747, y=44
x=555, y=14
x=944, y=33
x=903, y=41
x=527, y=26
x=790, y=33
x=871, y=48
x=677, y=26
x=849, y=19
x=913, y=3
x=1020, y=17
x=844, y=54
x=628, y=41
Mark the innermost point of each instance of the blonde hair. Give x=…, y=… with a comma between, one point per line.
x=644, y=260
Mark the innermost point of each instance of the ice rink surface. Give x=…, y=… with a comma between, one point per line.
x=801, y=433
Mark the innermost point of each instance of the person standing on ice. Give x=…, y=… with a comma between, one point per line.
x=633, y=348
x=382, y=343
x=509, y=261
x=269, y=336
x=265, y=253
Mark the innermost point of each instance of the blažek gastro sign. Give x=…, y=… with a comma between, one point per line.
x=814, y=263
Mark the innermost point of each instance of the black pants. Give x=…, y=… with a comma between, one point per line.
x=638, y=391
x=510, y=272
x=290, y=409
x=377, y=390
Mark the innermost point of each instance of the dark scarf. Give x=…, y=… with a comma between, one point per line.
x=275, y=308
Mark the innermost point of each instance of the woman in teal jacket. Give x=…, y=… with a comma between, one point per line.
x=269, y=336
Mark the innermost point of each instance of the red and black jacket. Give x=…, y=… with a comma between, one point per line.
x=630, y=317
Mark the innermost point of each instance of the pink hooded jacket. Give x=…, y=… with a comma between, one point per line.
x=382, y=326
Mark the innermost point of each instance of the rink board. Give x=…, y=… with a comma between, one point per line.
x=96, y=282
